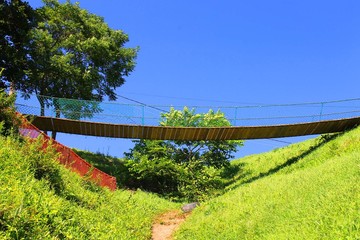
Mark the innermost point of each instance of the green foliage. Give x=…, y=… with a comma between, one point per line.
x=181, y=169
x=160, y=175
x=208, y=153
x=9, y=121
x=17, y=18
x=44, y=165
x=63, y=51
x=40, y=199
x=76, y=55
x=111, y=165
x=308, y=190
x=199, y=183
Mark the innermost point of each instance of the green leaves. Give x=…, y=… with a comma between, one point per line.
x=83, y=52
x=177, y=118
x=9, y=121
x=17, y=18
x=195, y=165
x=61, y=50
x=188, y=118
x=209, y=153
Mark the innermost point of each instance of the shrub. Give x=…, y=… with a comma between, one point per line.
x=9, y=121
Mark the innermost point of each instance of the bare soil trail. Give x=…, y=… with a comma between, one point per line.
x=166, y=224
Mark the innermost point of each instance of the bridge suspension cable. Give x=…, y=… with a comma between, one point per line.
x=61, y=112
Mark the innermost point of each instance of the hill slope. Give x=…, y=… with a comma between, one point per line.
x=308, y=190
x=40, y=199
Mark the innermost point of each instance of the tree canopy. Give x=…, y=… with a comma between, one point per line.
x=62, y=51
x=75, y=54
x=17, y=18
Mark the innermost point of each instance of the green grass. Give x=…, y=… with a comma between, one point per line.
x=111, y=165
x=308, y=190
x=40, y=199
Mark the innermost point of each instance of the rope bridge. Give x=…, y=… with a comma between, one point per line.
x=125, y=120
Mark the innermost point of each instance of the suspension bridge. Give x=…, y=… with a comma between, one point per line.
x=141, y=121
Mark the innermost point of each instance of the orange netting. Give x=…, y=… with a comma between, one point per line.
x=69, y=158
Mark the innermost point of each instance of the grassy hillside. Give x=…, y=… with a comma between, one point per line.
x=111, y=165
x=308, y=190
x=40, y=199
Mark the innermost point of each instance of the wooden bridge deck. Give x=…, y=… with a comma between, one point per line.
x=192, y=133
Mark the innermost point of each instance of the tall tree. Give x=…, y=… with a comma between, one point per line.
x=17, y=18
x=75, y=54
x=187, y=169
x=63, y=51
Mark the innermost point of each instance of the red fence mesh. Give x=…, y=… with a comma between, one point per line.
x=69, y=158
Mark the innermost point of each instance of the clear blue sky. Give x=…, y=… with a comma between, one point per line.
x=233, y=52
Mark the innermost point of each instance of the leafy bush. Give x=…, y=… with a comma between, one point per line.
x=9, y=121
x=197, y=182
x=181, y=169
x=160, y=175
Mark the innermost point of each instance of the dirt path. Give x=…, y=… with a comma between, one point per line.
x=166, y=224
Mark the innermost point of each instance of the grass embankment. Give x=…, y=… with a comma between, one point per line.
x=40, y=199
x=111, y=165
x=308, y=190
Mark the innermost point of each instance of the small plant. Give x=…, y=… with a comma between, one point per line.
x=8, y=117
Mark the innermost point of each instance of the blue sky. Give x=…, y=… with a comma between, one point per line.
x=233, y=52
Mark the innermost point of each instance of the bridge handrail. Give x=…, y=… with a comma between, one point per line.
x=250, y=115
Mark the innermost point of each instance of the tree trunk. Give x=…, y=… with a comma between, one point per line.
x=12, y=89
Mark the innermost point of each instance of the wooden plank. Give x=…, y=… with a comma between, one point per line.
x=185, y=133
